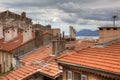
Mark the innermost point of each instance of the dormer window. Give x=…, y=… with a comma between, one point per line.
x=108, y=28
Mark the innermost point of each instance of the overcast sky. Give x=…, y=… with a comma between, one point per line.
x=81, y=14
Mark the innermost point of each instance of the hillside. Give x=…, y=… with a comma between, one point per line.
x=87, y=32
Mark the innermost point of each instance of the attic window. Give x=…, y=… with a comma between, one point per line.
x=100, y=28
x=108, y=28
x=114, y=28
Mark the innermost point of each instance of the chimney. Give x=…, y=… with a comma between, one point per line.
x=107, y=34
x=23, y=15
x=54, y=47
x=38, y=38
x=63, y=35
x=57, y=46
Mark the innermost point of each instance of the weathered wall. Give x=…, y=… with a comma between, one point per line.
x=5, y=61
x=56, y=32
x=10, y=33
x=72, y=32
x=1, y=31
x=11, y=18
x=78, y=72
x=22, y=51
x=27, y=34
x=108, y=34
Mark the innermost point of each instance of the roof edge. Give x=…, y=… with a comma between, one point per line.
x=67, y=63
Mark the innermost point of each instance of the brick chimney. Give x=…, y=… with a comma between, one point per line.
x=58, y=46
x=38, y=38
x=107, y=34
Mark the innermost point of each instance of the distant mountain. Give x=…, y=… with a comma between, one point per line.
x=87, y=32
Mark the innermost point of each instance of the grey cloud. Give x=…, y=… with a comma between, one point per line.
x=83, y=12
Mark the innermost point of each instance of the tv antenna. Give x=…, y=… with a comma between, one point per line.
x=114, y=18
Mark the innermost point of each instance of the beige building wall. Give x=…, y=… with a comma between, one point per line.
x=72, y=32
x=76, y=75
x=1, y=31
x=56, y=32
x=108, y=34
x=15, y=32
x=5, y=61
x=10, y=33
x=27, y=34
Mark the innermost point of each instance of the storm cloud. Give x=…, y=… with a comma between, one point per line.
x=63, y=13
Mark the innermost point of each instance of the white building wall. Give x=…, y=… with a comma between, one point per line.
x=27, y=34
x=10, y=34
x=15, y=32
x=1, y=31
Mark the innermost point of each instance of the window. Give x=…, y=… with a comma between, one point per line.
x=69, y=75
x=108, y=28
x=83, y=77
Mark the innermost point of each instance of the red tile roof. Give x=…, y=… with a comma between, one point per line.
x=38, y=60
x=80, y=44
x=105, y=59
x=23, y=72
x=13, y=44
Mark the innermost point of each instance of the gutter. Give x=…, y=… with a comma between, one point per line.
x=97, y=69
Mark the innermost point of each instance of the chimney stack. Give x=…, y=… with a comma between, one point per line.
x=107, y=34
x=38, y=38
x=23, y=15
x=54, y=47
x=63, y=35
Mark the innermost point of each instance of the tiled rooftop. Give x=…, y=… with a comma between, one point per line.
x=25, y=71
x=13, y=44
x=80, y=44
x=105, y=59
x=38, y=60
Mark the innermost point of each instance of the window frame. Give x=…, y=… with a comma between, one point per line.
x=69, y=75
x=85, y=76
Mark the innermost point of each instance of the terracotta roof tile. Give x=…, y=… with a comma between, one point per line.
x=46, y=66
x=106, y=59
x=80, y=44
x=13, y=44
